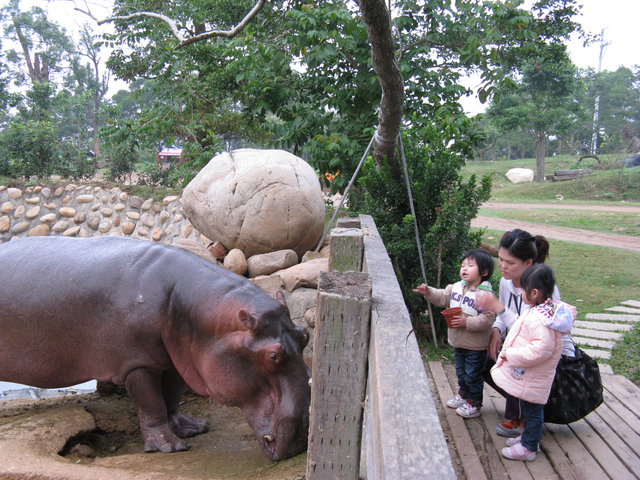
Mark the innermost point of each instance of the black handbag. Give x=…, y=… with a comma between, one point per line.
x=576, y=389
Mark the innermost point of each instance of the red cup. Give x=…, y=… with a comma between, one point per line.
x=450, y=313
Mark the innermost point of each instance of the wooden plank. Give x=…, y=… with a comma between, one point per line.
x=557, y=457
x=346, y=249
x=619, y=408
x=623, y=390
x=402, y=436
x=516, y=469
x=603, y=326
x=348, y=222
x=619, y=446
x=605, y=369
x=600, y=451
x=583, y=463
x=464, y=446
x=624, y=431
x=604, y=335
x=339, y=375
x=631, y=303
x=635, y=311
x=613, y=317
x=593, y=342
x=489, y=455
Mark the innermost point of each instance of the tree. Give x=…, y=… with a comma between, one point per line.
x=542, y=101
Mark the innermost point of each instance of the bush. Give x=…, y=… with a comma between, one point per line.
x=444, y=205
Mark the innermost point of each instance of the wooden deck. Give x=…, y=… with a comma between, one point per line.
x=604, y=445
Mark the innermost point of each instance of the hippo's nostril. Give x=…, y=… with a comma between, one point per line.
x=269, y=438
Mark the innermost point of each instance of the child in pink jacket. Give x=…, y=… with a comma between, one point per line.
x=527, y=363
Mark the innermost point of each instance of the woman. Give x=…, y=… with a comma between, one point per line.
x=518, y=250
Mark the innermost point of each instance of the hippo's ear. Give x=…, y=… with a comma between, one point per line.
x=248, y=320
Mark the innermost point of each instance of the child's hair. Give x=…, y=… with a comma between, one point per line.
x=538, y=276
x=484, y=261
x=525, y=246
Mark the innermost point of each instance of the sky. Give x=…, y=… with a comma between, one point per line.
x=618, y=18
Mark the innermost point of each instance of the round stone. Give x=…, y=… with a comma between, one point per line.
x=20, y=227
x=14, y=193
x=171, y=198
x=133, y=215
x=128, y=228
x=5, y=223
x=119, y=207
x=7, y=207
x=40, y=230
x=148, y=220
x=48, y=218
x=20, y=209
x=71, y=232
x=33, y=212
x=85, y=198
x=164, y=216
x=67, y=212
x=105, y=226
x=60, y=226
x=33, y=200
x=106, y=212
x=147, y=204
x=157, y=234
x=80, y=217
x=93, y=222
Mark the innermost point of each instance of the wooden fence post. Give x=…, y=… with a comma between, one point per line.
x=339, y=375
x=347, y=246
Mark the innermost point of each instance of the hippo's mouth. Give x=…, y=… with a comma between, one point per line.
x=269, y=446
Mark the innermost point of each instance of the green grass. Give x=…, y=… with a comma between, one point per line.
x=611, y=185
x=607, y=222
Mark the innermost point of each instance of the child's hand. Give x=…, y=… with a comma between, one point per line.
x=459, y=322
x=422, y=289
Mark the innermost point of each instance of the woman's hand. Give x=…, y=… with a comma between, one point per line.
x=487, y=301
x=495, y=344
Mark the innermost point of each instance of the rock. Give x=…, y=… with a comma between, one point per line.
x=14, y=193
x=148, y=220
x=106, y=212
x=48, y=218
x=135, y=202
x=269, y=283
x=33, y=212
x=19, y=212
x=258, y=201
x=85, y=198
x=128, y=228
x=20, y=227
x=310, y=317
x=236, y=262
x=133, y=215
x=147, y=204
x=520, y=175
x=193, y=246
x=71, y=232
x=67, y=212
x=105, y=225
x=80, y=217
x=5, y=223
x=217, y=250
x=304, y=274
x=299, y=302
x=157, y=234
x=119, y=207
x=93, y=222
x=167, y=200
x=33, y=200
x=7, y=207
x=267, y=263
x=60, y=226
x=41, y=230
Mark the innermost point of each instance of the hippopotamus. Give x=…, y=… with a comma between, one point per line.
x=159, y=320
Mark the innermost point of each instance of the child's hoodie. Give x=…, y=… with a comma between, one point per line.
x=532, y=350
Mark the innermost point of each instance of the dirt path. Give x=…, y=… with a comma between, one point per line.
x=624, y=242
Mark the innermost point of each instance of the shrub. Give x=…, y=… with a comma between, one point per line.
x=444, y=206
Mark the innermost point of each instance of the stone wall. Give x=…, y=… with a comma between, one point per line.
x=89, y=210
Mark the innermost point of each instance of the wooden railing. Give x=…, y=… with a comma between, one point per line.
x=400, y=436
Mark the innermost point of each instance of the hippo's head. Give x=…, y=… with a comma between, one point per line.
x=249, y=355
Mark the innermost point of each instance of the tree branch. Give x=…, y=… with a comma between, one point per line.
x=174, y=26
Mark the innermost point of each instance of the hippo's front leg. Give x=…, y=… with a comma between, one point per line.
x=145, y=389
x=182, y=424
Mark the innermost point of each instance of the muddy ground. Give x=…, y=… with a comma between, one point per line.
x=97, y=437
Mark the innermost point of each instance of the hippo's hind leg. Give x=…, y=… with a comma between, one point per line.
x=145, y=389
x=182, y=424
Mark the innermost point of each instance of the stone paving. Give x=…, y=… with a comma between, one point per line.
x=598, y=333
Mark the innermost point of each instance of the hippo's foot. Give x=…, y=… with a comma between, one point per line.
x=162, y=439
x=184, y=425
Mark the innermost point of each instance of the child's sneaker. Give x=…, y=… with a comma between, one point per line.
x=518, y=452
x=468, y=411
x=456, y=402
x=512, y=441
x=510, y=428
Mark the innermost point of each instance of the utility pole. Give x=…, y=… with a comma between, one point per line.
x=596, y=106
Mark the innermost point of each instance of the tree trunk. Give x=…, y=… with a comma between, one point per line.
x=540, y=155
x=387, y=67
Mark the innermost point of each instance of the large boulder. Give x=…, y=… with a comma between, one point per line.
x=258, y=201
x=520, y=175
